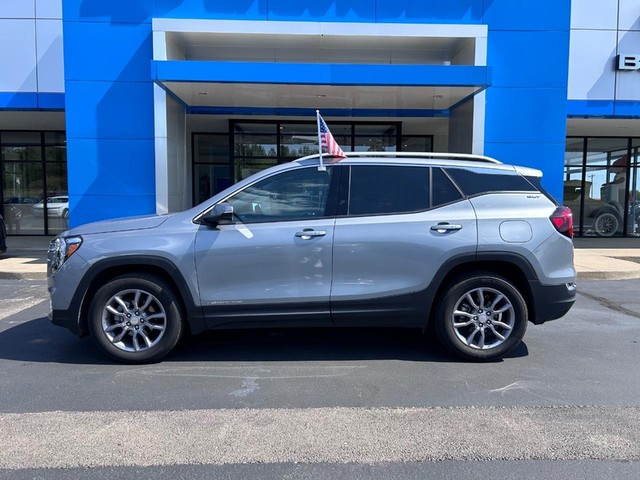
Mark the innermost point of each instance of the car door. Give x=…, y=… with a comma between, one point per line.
x=273, y=263
x=395, y=229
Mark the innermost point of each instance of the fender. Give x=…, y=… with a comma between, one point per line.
x=194, y=316
x=462, y=262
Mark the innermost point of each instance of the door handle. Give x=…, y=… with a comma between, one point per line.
x=445, y=227
x=309, y=233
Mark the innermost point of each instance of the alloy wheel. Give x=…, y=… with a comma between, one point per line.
x=134, y=320
x=483, y=318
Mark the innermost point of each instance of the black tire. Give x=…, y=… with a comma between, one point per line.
x=159, y=335
x=606, y=224
x=488, y=322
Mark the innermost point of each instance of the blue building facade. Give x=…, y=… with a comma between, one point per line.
x=168, y=101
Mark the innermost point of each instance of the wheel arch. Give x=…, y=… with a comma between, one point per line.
x=511, y=266
x=107, y=269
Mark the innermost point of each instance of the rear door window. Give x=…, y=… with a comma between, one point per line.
x=442, y=190
x=387, y=189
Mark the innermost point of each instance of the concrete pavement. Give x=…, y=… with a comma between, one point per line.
x=595, y=258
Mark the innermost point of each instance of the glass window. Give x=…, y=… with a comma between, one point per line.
x=605, y=151
x=21, y=153
x=573, y=151
x=246, y=167
x=211, y=148
x=572, y=194
x=57, y=200
x=209, y=180
x=55, y=138
x=34, y=180
x=256, y=146
x=443, y=190
x=294, y=195
x=55, y=154
x=23, y=138
x=416, y=143
x=476, y=181
x=603, y=199
x=23, y=193
x=634, y=189
x=374, y=144
x=298, y=140
x=375, y=138
x=388, y=189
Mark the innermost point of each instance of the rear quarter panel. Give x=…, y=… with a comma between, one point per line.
x=502, y=227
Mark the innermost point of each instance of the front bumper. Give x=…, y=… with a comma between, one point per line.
x=551, y=302
x=67, y=319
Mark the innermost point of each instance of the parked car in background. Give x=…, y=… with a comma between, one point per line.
x=600, y=217
x=56, y=207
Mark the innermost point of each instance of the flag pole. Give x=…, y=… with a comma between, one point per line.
x=321, y=167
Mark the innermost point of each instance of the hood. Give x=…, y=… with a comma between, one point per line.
x=119, y=225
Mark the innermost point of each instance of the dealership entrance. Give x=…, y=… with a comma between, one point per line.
x=242, y=96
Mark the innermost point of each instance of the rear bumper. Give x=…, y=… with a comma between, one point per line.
x=551, y=302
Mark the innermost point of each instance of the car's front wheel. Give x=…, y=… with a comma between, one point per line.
x=481, y=317
x=135, y=319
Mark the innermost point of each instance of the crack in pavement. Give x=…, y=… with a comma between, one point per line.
x=610, y=305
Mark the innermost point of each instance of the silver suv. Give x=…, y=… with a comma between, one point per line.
x=472, y=247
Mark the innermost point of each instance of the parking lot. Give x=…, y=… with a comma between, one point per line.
x=369, y=403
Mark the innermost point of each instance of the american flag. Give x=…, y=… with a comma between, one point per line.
x=327, y=141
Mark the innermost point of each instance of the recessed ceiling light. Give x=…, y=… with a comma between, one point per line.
x=438, y=97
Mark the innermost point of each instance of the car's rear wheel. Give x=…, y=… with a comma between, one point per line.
x=606, y=224
x=481, y=317
x=135, y=319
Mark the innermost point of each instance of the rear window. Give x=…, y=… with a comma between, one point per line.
x=537, y=182
x=476, y=181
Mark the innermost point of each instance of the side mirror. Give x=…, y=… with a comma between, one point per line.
x=220, y=214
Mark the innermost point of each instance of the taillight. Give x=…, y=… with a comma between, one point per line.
x=562, y=219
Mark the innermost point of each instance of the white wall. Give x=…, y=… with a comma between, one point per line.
x=600, y=30
x=31, y=46
x=173, y=167
x=179, y=167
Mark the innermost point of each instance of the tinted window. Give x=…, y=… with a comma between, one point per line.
x=475, y=181
x=536, y=182
x=388, y=189
x=443, y=190
x=294, y=195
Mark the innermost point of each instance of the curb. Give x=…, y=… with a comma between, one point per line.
x=608, y=276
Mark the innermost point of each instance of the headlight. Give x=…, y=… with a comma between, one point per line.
x=60, y=249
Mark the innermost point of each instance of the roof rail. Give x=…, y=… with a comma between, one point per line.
x=435, y=155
